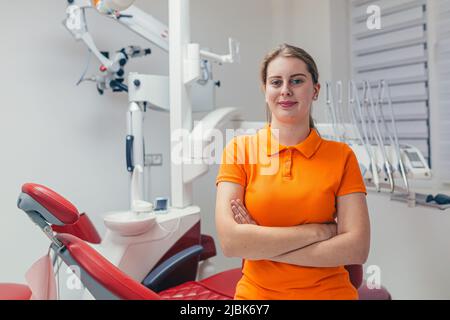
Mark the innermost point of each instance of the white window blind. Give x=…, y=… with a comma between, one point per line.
x=397, y=53
x=443, y=70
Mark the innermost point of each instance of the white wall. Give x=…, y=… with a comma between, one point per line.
x=410, y=246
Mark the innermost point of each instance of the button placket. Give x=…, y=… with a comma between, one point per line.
x=287, y=163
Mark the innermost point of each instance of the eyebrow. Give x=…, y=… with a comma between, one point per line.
x=294, y=75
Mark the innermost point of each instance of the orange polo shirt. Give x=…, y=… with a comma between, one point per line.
x=288, y=186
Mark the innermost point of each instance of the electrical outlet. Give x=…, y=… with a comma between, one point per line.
x=153, y=159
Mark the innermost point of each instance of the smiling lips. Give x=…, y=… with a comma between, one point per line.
x=287, y=104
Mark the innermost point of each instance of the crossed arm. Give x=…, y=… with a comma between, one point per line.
x=314, y=245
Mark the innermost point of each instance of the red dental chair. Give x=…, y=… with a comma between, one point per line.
x=55, y=215
x=69, y=231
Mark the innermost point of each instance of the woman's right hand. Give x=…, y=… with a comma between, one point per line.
x=240, y=212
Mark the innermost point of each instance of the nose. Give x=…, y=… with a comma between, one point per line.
x=286, y=90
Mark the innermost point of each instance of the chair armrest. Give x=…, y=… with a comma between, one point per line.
x=155, y=278
x=209, y=246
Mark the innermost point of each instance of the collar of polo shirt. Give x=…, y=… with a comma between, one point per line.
x=307, y=147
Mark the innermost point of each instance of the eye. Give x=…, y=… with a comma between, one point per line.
x=276, y=83
x=296, y=81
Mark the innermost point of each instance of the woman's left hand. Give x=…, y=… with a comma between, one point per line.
x=240, y=212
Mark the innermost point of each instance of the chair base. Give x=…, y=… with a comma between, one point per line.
x=373, y=294
x=14, y=291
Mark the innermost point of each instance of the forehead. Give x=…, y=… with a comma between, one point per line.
x=286, y=66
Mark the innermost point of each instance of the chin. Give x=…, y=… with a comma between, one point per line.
x=289, y=120
x=288, y=117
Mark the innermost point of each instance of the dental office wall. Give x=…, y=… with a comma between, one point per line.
x=72, y=139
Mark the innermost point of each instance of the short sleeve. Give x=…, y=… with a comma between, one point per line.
x=232, y=164
x=351, y=180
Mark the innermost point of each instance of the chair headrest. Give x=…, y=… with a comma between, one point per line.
x=52, y=206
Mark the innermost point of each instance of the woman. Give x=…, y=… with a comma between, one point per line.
x=282, y=221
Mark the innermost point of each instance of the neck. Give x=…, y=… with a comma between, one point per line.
x=290, y=134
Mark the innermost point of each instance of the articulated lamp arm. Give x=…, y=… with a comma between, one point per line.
x=76, y=24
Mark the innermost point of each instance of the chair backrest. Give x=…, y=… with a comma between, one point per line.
x=355, y=272
x=103, y=279
x=83, y=229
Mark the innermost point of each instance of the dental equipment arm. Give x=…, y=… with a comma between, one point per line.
x=356, y=132
x=380, y=103
x=231, y=57
x=146, y=26
x=154, y=31
x=331, y=110
x=140, y=22
x=340, y=112
x=395, y=133
x=112, y=69
x=76, y=24
x=373, y=164
x=379, y=139
x=201, y=136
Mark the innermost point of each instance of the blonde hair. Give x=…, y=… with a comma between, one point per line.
x=288, y=51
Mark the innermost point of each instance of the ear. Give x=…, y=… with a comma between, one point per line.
x=316, y=91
